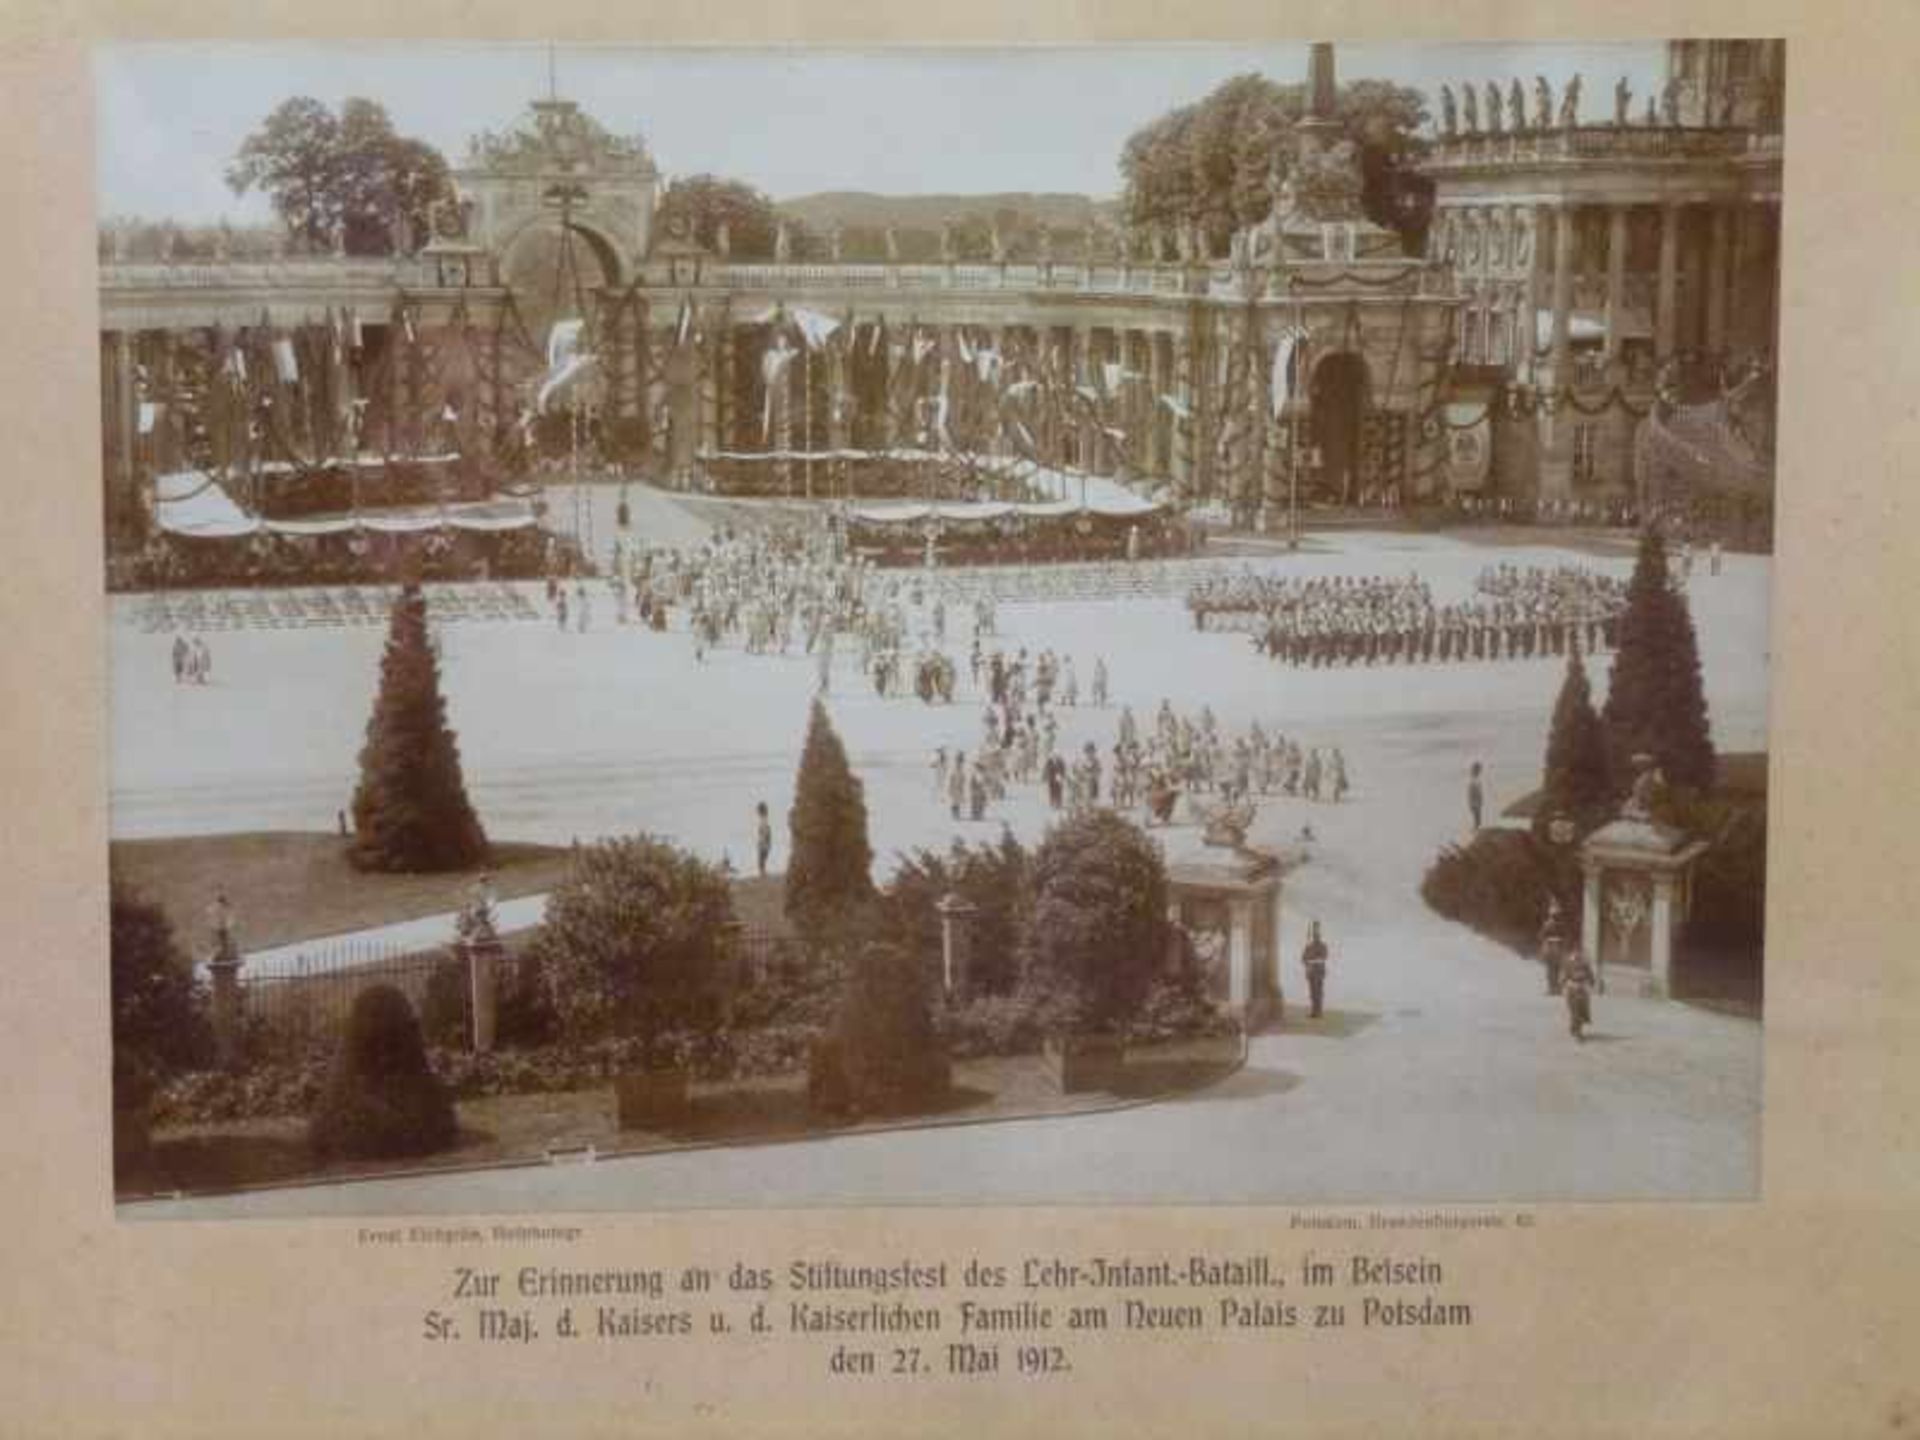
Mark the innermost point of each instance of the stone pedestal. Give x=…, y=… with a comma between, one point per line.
x=1638, y=891
x=1229, y=902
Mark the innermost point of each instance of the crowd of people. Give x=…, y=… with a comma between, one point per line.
x=1145, y=768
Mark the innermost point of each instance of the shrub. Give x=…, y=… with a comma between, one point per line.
x=632, y=942
x=888, y=1048
x=410, y=809
x=1499, y=883
x=1656, y=703
x=995, y=880
x=830, y=867
x=1099, y=919
x=1576, y=775
x=523, y=1013
x=829, y=1090
x=1729, y=910
x=1177, y=1007
x=443, y=1008
x=994, y=1025
x=381, y=1100
x=159, y=1021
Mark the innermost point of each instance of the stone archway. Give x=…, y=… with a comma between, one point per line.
x=1338, y=400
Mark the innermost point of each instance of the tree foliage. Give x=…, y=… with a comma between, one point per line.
x=994, y=881
x=159, y=1021
x=349, y=174
x=830, y=865
x=1656, y=701
x=884, y=1054
x=1099, y=919
x=381, y=1100
x=1211, y=163
x=698, y=205
x=410, y=810
x=633, y=941
x=1576, y=777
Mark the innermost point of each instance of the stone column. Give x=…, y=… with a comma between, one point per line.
x=126, y=428
x=1539, y=280
x=1660, y=938
x=1667, y=297
x=1088, y=446
x=1564, y=229
x=483, y=956
x=1590, y=922
x=1180, y=450
x=1239, y=951
x=1616, y=279
x=1714, y=280
x=1278, y=957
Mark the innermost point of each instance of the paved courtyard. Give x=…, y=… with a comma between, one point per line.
x=1441, y=1072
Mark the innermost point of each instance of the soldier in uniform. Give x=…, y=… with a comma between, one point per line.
x=1552, y=946
x=1313, y=959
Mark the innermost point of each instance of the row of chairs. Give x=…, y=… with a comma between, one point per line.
x=319, y=606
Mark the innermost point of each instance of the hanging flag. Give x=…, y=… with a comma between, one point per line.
x=1283, y=352
x=448, y=413
x=873, y=345
x=684, y=323
x=922, y=347
x=773, y=366
x=815, y=328
x=355, y=331
x=1021, y=387
x=1177, y=406
x=966, y=345
x=567, y=360
x=406, y=324
x=237, y=364
x=987, y=362
x=1113, y=374
x=285, y=363
x=149, y=415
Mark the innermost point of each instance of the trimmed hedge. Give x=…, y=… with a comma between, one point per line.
x=381, y=1100
x=1499, y=884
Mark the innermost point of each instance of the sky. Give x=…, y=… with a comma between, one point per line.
x=790, y=121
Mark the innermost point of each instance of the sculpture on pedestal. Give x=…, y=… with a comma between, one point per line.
x=1622, y=100
x=1570, y=104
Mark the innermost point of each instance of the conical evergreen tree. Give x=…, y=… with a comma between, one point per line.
x=1575, y=782
x=410, y=810
x=1656, y=703
x=829, y=872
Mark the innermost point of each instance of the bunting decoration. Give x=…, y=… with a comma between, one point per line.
x=1291, y=339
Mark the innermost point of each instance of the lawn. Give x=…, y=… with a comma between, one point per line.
x=559, y=1126
x=287, y=886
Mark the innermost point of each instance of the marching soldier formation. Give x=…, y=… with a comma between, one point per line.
x=1344, y=621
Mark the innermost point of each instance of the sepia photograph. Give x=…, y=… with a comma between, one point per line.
x=1175, y=624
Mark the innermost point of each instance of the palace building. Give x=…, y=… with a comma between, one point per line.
x=1593, y=320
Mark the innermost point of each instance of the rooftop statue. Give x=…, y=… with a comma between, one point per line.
x=1494, y=127
x=1470, y=109
x=1570, y=105
x=1542, y=103
x=1622, y=100
x=1449, y=113
x=1516, y=105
